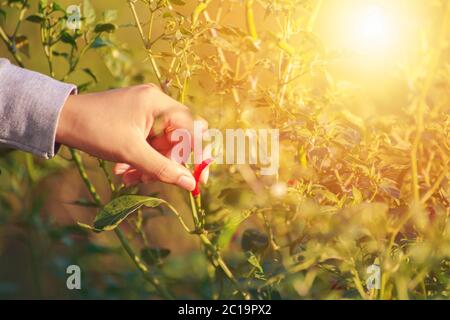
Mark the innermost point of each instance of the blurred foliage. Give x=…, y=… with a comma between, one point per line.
x=351, y=191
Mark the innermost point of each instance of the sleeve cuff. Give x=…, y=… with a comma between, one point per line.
x=30, y=106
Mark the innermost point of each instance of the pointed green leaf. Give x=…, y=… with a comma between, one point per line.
x=68, y=38
x=254, y=261
x=87, y=227
x=154, y=256
x=90, y=73
x=100, y=42
x=36, y=18
x=42, y=5
x=229, y=229
x=254, y=240
x=85, y=203
x=58, y=7
x=111, y=215
x=105, y=27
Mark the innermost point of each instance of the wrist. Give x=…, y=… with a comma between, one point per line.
x=66, y=122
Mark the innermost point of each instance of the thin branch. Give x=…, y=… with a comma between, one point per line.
x=124, y=242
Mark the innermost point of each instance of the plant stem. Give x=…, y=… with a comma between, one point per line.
x=198, y=10
x=195, y=203
x=102, y=164
x=433, y=64
x=435, y=185
x=124, y=242
x=184, y=90
x=179, y=218
x=21, y=17
x=218, y=261
x=10, y=46
x=358, y=283
x=250, y=19
x=141, y=266
x=194, y=211
x=47, y=45
x=146, y=42
x=216, y=258
x=223, y=59
x=10, y=41
x=81, y=169
x=73, y=65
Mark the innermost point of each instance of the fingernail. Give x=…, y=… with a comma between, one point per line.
x=186, y=182
x=121, y=168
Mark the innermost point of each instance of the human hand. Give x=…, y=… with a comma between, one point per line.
x=118, y=126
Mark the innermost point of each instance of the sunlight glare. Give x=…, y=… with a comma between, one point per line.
x=373, y=30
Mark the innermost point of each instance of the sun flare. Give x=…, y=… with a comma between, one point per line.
x=374, y=33
x=373, y=30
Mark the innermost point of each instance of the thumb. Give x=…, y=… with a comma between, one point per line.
x=154, y=164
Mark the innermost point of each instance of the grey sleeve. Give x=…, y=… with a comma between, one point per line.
x=30, y=105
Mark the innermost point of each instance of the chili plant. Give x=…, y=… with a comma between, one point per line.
x=350, y=192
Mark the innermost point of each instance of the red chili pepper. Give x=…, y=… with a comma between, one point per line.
x=198, y=169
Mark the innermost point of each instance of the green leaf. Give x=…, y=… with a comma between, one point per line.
x=100, y=42
x=329, y=196
x=118, y=209
x=389, y=186
x=60, y=54
x=154, y=256
x=229, y=229
x=105, y=27
x=90, y=73
x=58, y=7
x=15, y=1
x=42, y=5
x=88, y=227
x=353, y=119
x=254, y=261
x=131, y=190
x=68, y=38
x=35, y=18
x=85, y=203
x=3, y=13
x=255, y=241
